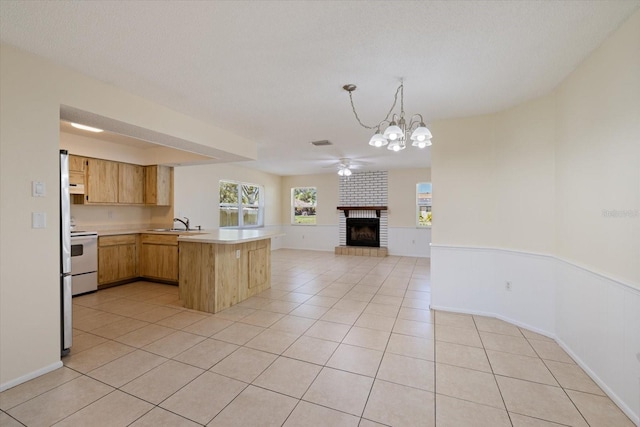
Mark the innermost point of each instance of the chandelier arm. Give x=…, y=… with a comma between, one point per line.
x=417, y=115
x=386, y=119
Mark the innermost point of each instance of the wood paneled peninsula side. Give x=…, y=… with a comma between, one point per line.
x=224, y=267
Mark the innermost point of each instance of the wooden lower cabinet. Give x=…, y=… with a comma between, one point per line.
x=117, y=258
x=159, y=257
x=216, y=276
x=130, y=256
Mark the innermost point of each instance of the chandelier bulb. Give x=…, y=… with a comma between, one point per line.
x=393, y=132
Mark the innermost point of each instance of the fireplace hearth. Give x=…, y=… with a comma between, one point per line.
x=363, y=232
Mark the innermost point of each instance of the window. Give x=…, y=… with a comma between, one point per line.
x=423, y=204
x=243, y=198
x=303, y=205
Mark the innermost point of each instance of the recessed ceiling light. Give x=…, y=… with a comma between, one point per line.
x=85, y=127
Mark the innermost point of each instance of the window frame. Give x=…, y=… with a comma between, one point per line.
x=240, y=205
x=292, y=208
x=428, y=204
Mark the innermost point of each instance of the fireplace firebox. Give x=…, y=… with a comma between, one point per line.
x=363, y=232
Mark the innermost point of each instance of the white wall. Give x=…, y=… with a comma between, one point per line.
x=493, y=179
x=405, y=239
x=402, y=195
x=598, y=158
x=32, y=92
x=324, y=235
x=518, y=196
x=327, y=193
x=197, y=192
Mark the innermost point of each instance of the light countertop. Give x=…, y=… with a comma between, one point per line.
x=227, y=236
x=147, y=231
x=223, y=236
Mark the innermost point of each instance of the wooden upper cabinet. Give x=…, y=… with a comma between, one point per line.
x=114, y=183
x=76, y=163
x=102, y=181
x=158, y=185
x=76, y=169
x=130, y=184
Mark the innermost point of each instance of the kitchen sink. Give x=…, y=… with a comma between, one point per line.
x=170, y=229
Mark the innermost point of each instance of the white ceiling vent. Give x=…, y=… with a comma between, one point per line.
x=322, y=143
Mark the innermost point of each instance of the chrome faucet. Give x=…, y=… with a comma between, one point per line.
x=185, y=223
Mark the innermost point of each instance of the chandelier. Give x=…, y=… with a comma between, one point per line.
x=395, y=134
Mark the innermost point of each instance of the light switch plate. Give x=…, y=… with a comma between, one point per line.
x=38, y=189
x=38, y=220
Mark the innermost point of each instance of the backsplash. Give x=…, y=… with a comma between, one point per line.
x=121, y=217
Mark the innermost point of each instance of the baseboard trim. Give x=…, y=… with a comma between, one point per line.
x=497, y=316
x=30, y=376
x=635, y=418
x=623, y=406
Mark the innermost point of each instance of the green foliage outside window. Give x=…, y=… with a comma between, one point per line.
x=304, y=202
x=236, y=197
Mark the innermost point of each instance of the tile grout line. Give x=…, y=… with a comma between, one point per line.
x=561, y=386
x=493, y=374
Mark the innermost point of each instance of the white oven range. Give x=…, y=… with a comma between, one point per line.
x=84, y=261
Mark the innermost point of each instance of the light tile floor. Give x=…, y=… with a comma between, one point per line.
x=336, y=341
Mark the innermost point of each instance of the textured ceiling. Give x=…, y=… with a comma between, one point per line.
x=273, y=71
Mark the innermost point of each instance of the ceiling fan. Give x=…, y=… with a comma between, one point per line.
x=345, y=166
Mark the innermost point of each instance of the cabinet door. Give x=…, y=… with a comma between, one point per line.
x=102, y=181
x=108, y=260
x=158, y=185
x=160, y=261
x=127, y=261
x=76, y=163
x=130, y=184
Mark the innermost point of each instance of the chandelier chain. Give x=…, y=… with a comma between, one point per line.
x=395, y=100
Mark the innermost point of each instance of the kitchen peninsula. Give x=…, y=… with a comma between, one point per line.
x=223, y=267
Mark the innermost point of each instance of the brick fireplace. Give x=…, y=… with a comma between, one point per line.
x=363, y=202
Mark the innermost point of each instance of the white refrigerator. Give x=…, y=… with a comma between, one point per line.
x=66, y=288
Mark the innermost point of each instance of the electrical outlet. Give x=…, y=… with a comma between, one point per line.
x=110, y=214
x=238, y=254
x=507, y=285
